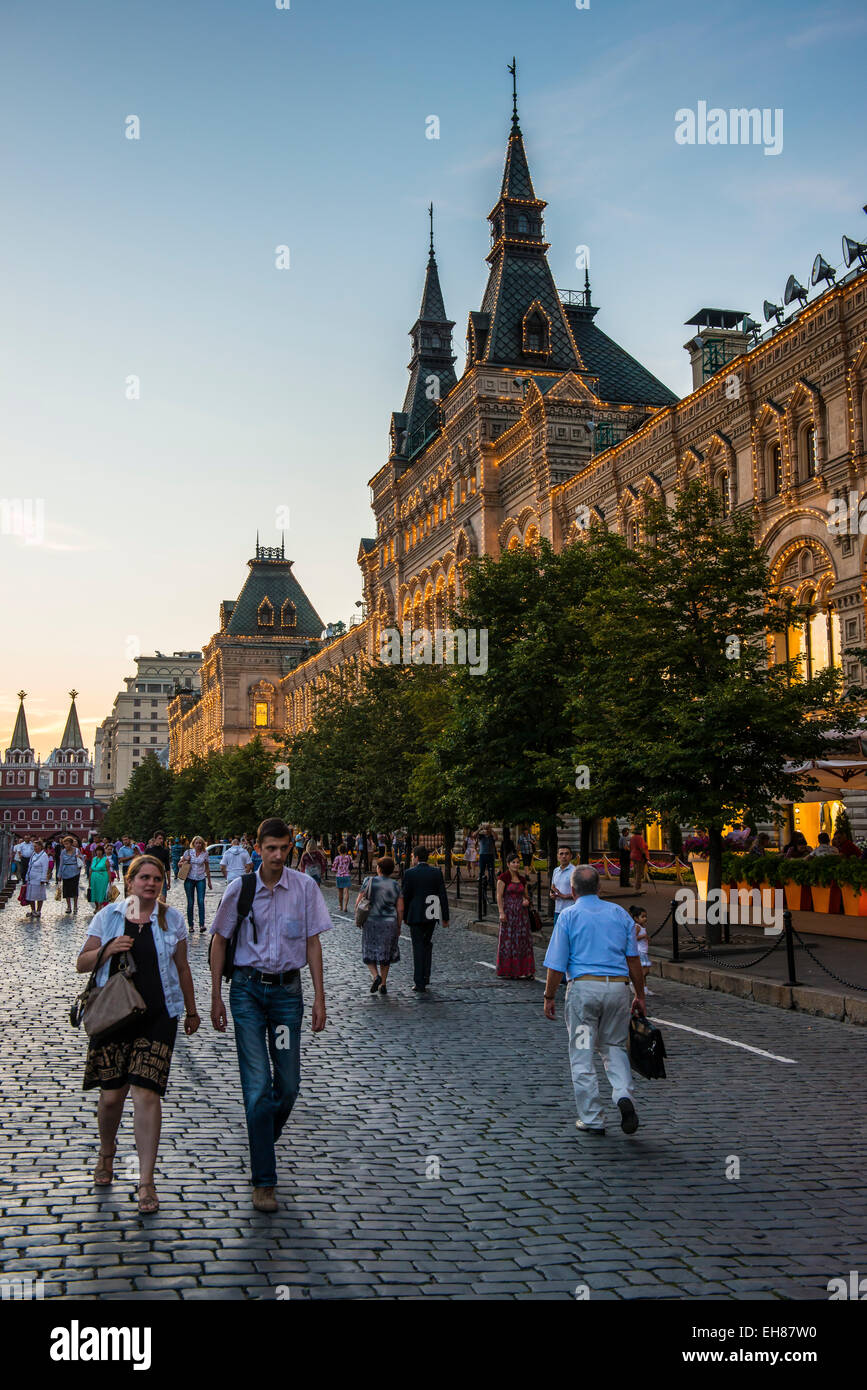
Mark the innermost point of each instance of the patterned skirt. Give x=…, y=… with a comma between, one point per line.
x=379, y=941
x=139, y=1056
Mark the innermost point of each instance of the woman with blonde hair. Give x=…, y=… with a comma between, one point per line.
x=194, y=878
x=312, y=861
x=137, y=1055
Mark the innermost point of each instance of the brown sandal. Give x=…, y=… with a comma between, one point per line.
x=103, y=1173
x=148, y=1205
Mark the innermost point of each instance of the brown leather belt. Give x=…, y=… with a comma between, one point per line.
x=609, y=979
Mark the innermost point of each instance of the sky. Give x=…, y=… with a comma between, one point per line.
x=148, y=267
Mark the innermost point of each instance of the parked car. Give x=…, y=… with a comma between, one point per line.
x=215, y=854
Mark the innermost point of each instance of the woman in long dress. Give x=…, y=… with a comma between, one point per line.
x=515, y=959
x=38, y=870
x=100, y=877
x=380, y=934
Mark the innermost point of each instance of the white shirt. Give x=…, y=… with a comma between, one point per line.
x=24, y=850
x=234, y=861
x=562, y=880
x=198, y=863
x=37, y=869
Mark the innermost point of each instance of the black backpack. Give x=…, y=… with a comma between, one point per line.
x=249, y=884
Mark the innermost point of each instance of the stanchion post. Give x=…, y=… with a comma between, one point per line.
x=539, y=891
x=457, y=883
x=790, y=946
x=675, y=945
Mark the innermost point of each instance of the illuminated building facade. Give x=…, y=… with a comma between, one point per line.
x=263, y=634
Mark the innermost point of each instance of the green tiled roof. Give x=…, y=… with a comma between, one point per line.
x=510, y=292
x=621, y=378
x=516, y=173
x=20, y=736
x=274, y=580
x=72, y=733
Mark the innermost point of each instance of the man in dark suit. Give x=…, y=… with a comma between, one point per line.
x=424, y=905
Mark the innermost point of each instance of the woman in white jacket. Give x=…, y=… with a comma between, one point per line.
x=38, y=870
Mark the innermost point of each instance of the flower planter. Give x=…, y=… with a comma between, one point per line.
x=821, y=897
x=798, y=897
x=854, y=900
x=701, y=869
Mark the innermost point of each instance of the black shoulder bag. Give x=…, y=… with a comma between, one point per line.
x=245, y=903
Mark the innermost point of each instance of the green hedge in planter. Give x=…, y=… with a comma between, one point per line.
x=852, y=872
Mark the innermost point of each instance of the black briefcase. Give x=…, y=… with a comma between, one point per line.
x=646, y=1048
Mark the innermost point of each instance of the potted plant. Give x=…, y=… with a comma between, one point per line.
x=852, y=880
x=795, y=876
x=824, y=870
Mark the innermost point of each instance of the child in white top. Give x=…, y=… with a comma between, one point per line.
x=639, y=915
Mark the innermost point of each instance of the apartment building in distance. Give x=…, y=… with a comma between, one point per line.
x=138, y=723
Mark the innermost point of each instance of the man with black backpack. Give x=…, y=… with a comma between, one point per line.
x=265, y=930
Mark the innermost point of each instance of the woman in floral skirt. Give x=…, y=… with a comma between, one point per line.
x=515, y=959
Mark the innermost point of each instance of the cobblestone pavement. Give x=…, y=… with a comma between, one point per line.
x=433, y=1149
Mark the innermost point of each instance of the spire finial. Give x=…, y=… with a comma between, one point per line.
x=72, y=694
x=513, y=69
x=430, y=211
x=22, y=695
x=257, y=543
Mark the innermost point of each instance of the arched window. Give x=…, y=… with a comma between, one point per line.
x=724, y=491
x=523, y=225
x=808, y=463
x=265, y=613
x=536, y=331
x=288, y=614
x=773, y=471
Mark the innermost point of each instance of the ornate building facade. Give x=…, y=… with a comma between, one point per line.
x=263, y=634
x=551, y=422
x=50, y=798
x=138, y=723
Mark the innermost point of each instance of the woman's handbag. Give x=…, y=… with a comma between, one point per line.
x=58, y=893
x=362, y=912
x=535, y=919
x=113, y=893
x=22, y=896
x=105, y=1009
x=183, y=870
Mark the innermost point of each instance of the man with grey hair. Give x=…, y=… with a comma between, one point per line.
x=593, y=944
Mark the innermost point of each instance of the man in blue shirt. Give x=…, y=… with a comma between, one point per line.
x=593, y=944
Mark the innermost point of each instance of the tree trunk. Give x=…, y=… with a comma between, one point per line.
x=449, y=838
x=713, y=930
x=584, y=842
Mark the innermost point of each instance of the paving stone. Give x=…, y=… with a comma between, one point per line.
x=522, y=1208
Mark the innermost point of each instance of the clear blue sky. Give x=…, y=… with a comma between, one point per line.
x=263, y=389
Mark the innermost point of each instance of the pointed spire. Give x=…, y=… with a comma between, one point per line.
x=72, y=733
x=433, y=309
x=521, y=322
x=432, y=373
x=20, y=737
x=513, y=69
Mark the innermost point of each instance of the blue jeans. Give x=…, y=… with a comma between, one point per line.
x=197, y=887
x=267, y=1021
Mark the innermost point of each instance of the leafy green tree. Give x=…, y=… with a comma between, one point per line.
x=140, y=810
x=507, y=750
x=241, y=789
x=185, y=808
x=686, y=705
